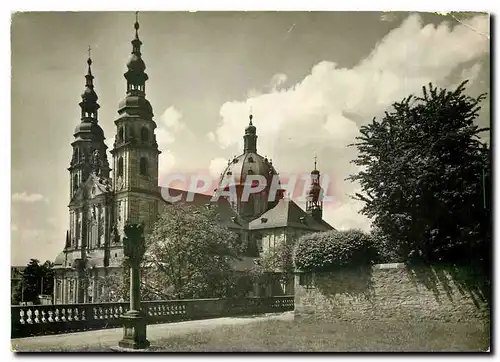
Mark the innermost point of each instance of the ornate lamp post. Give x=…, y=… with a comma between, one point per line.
x=134, y=321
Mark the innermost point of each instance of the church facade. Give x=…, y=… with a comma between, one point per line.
x=103, y=197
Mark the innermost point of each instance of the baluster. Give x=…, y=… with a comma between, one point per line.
x=43, y=319
x=69, y=315
x=29, y=313
x=82, y=315
x=36, y=319
x=57, y=317
x=51, y=316
x=63, y=314
x=22, y=318
x=101, y=313
x=95, y=313
x=75, y=315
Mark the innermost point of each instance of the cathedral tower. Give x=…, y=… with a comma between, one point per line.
x=135, y=152
x=89, y=159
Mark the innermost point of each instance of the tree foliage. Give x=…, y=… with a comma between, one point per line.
x=189, y=254
x=421, y=176
x=329, y=250
x=36, y=279
x=275, y=262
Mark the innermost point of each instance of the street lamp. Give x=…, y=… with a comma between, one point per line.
x=134, y=321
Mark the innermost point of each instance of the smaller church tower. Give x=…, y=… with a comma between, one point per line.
x=89, y=149
x=314, y=203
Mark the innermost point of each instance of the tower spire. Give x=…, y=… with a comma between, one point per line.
x=250, y=137
x=136, y=76
x=315, y=161
x=89, y=105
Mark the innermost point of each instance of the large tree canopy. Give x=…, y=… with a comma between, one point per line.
x=190, y=254
x=424, y=174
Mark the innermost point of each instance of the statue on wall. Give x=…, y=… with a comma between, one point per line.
x=96, y=161
x=115, y=235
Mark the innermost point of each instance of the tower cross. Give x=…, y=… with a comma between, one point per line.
x=88, y=50
x=315, y=161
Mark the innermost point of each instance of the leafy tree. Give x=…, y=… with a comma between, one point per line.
x=189, y=254
x=421, y=176
x=36, y=279
x=275, y=264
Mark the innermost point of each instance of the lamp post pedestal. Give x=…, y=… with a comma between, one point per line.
x=134, y=321
x=134, y=331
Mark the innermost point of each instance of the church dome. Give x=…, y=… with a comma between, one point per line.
x=249, y=163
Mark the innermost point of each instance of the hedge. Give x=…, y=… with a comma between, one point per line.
x=333, y=249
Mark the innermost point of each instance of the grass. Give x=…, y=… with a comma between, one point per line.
x=339, y=336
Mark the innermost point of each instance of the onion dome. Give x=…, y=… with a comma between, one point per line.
x=250, y=129
x=89, y=105
x=136, y=77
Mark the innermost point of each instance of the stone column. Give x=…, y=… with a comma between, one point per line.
x=134, y=321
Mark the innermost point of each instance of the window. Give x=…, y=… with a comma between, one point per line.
x=143, y=166
x=120, y=166
x=250, y=159
x=144, y=134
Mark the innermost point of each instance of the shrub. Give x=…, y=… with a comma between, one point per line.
x=333, y=249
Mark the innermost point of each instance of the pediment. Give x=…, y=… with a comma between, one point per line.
x=92, y=188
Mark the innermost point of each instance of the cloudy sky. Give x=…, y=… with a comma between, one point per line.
x=311, y=80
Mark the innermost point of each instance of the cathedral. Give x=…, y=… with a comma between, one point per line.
x=104, y=197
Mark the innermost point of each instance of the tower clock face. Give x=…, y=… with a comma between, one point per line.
x=119, y=183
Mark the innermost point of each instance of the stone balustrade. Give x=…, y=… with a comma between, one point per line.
x=65, y=318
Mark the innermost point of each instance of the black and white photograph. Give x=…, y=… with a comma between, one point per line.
x=250, y=181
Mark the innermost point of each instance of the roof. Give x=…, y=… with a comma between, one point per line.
x=288, y=214
x=229, y=217
x=92, y=187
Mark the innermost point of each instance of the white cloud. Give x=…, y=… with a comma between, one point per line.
x=211, y=136
x=216, y=167
x=276, y=81
x=166, y=162
x=171, y=127
x=325, y=109
x=28, y=198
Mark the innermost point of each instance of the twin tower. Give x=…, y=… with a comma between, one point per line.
x=100, y=205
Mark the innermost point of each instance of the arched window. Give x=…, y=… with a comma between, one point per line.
x=143, y=166
x=120, y=166
x=121, y=134
x=144, y=134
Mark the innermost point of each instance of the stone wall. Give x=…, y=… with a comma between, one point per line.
x=393, y=291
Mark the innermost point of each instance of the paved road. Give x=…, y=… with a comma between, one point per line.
x=110, y=337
